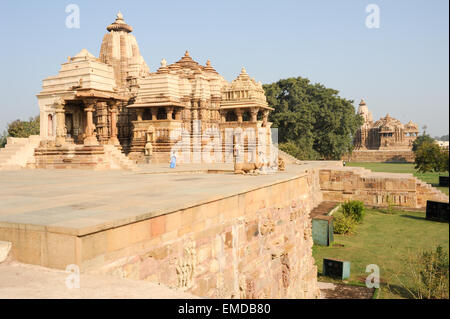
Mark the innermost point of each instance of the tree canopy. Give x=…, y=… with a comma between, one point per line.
x=313, y=121
x=421, y=139
x=429, y=157
x=20, y=128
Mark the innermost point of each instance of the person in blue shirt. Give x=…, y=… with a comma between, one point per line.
x=173, y=161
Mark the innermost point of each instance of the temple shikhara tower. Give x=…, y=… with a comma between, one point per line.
x=114, y=105
x=384, y=140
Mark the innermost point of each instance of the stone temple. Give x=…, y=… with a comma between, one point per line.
x=96, y=106
x=199, y=228
x=384, y=140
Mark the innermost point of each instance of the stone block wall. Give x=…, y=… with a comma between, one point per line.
x=398, y=156
x=376, y=189
x=256, y=244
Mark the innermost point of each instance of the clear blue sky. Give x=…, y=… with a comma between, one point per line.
x=402, y=68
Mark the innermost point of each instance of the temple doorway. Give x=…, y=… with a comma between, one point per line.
x=69, y=124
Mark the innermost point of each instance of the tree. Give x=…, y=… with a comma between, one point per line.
x=20, y=128
x=429, y=158
x=313, y=121
x=425, y=138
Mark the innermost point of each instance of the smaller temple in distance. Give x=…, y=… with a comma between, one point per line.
x=386, y=140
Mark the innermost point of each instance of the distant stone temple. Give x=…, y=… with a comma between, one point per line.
x=384, y=140
x=114, y=100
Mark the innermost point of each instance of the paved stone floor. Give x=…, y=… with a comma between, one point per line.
x=34, y=282
x=80, y=201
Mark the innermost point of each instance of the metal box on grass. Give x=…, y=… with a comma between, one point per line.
x=336, y=268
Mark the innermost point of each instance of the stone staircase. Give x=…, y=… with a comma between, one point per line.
x=425, y=191
x=428, y=192
x=377, y=188
x=118, y=159
x=18, y=152
x=288, y=159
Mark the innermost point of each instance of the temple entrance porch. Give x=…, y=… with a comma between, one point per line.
x=86, y=134
x=87, y=122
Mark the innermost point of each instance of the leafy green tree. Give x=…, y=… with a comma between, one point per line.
x=424, y=138
x=297, y=151
x=313, y=121
x=20, y=128
x=443, y=162
x=429, y=157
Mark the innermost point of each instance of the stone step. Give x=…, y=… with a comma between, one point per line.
x=119, y=158
x=18, y=152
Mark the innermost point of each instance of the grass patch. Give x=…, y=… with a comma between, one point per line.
x=386, y=240
x=430, y=178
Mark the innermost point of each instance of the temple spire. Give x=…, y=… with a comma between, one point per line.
x=119, y=24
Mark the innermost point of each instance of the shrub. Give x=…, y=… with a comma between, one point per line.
x=430, y=274
x=354, y=209
x=429, y=157
x=3, y=140
x=344, y=224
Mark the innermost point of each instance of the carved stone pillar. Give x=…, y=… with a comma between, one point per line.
x=178, y=114
x=254, y=114
x=265, y=117
x=90, y=138
x=113, y=129
x=223, y=117
x=103, y=131
x=169, y=112
x=60, y=123
x=154, y=113
x=139, y=113
x=195, y=114
x=239, y=113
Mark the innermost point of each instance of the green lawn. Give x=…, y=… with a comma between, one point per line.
x=387, y=240
x=431, y=178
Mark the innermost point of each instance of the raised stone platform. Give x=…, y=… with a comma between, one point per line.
x=388, y=156
x=213, y=234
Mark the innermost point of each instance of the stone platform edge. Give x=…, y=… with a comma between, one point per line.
x=79, y=232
